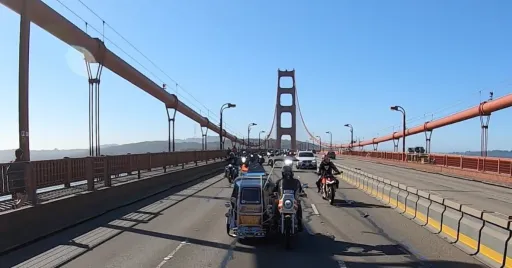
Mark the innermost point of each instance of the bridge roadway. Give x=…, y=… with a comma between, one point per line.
x=186, y=228
x=476, y=194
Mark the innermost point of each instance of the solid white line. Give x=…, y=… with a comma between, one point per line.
x=172, y=254
x=315, y=210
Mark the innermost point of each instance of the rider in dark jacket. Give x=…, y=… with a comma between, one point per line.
x=232, y=159
x=288, y=182
x=325, y=169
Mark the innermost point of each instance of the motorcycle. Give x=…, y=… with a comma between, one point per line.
x=231, y=173
x=261, y=159
x=227, y=171
x=288, y=223
x=328, y=188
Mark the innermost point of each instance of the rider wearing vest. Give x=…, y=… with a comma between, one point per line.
x=245, y=167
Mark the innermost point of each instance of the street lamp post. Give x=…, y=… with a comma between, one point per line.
x=330, y=133
x=249, y=133
x=222, y=108
x=402, y=110
x=351, y=135
x=259, y=138
x=320, y=138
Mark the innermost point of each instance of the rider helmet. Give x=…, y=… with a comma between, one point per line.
x=18, y=153
x=287, y=172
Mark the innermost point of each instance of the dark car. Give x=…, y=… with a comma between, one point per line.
x=331, y=155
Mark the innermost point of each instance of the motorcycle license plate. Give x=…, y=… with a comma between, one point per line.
x=250, y=220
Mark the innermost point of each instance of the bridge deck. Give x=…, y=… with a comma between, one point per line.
x=186, y=228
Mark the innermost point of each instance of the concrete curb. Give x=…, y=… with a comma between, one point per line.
x=483, y=234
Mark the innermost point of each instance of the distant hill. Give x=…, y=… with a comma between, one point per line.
x=134, y=148
x=493, y=153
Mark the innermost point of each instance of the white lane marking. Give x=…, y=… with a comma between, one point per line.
x=168, y=257
x=315, y=210
x=341, y=264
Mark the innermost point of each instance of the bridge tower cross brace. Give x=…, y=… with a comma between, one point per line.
x=280, y=109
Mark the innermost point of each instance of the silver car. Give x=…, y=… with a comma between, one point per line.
x=307, y=160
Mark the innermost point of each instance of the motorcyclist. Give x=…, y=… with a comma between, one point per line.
x=233, y=162
x=325, y=169
x=288, y=182
x=232, y=159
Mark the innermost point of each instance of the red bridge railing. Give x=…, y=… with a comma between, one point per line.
x=65, y=171
x=501, y=166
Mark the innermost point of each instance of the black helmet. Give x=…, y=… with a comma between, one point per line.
x=287, y=172
x=18, y=153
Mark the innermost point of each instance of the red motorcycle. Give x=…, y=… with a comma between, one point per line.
x=328, y=187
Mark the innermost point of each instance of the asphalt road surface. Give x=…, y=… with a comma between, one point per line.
x=186, y=228
x=479, y=195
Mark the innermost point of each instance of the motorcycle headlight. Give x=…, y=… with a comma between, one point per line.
x=288, y=162
x=243, y=159
x=229, y=165
x=288, y=204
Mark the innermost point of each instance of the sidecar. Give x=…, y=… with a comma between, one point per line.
x=250, y=210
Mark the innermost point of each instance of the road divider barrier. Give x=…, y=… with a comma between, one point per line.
x=393, y=196
x=451, y=221
x=380, y=190
x=386, y=195
x=411, y=203
x=485, y=235
x=401, y=198
x=422, y=207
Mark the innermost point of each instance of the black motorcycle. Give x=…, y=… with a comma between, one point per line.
x=231, y=173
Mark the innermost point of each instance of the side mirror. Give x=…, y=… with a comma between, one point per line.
x=227, y=205
x=305, y=186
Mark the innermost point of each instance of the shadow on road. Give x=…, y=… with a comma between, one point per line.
x=65, y=237
x=356, y=204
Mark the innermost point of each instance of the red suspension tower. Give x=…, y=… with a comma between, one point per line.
x=292, y=131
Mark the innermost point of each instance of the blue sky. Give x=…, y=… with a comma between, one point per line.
x=353, y=59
